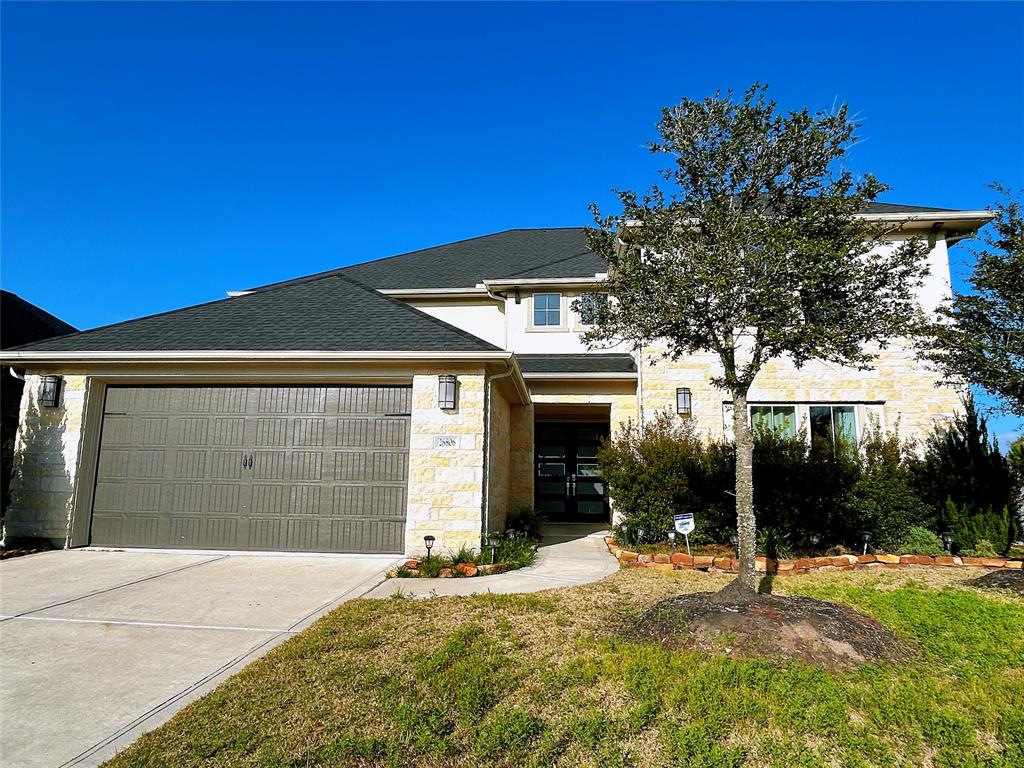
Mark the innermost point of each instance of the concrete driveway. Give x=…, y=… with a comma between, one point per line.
x=97, y=647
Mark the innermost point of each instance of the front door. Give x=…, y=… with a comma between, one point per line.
x=567, y=480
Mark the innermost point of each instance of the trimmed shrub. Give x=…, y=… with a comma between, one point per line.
x=921, y=541
x=967, y=482
x=884, y=497
x=526, y=520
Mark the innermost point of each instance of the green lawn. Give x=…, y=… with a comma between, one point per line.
x=542, y=680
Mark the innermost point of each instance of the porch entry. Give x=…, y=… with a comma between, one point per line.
x=567, y=480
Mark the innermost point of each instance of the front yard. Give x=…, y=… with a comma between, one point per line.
x=551, y=679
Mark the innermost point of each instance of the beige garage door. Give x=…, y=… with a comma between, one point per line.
x=310, y=468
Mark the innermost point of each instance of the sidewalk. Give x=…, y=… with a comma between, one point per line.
x=569, y=555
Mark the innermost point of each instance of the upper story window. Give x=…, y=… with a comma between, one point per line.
x=547, y=310
x=590, y=305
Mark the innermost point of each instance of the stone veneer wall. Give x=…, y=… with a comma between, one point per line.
x=498, y=468
x=905, y=386
x=46, y=462
x=520, y=484
x=445, y=484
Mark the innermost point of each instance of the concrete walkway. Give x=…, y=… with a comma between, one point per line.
x=98, y=647
x=569, y=555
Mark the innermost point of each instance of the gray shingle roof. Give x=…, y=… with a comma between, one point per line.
x=515, y=253
x=549, y=252
x=332, y=313
x=22, y=321
x=601, y=362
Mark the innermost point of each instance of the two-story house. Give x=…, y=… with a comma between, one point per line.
x=360, y=409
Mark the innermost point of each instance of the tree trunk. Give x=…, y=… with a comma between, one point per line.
x=746, y=526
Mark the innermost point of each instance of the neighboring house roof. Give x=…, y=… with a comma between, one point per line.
x=22, y=322
x=332, y=313
x=577, y=363
x=528, y=254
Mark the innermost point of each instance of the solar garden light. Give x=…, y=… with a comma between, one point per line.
x=735, y=541
x=428, y=542
x=491, y=540
x=446, y=389
x=672, y=538
x=624, y=530
x=815, y=539
x=865, y=537
x=639, y=535
x=947, y=541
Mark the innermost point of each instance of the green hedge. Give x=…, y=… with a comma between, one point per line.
x=806, y=489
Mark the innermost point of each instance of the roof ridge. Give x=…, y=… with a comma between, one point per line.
x=409, y=308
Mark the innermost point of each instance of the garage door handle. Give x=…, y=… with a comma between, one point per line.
x=247, y=461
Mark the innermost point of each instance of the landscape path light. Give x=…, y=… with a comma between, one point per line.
x=865, y=537
x=735, y=541
x=947, y=540
x=672, y=538
x=428, y=542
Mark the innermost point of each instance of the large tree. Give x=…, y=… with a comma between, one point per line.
x=753, y=249
x=979, y=336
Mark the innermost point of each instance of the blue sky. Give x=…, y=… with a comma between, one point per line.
x=157, y=155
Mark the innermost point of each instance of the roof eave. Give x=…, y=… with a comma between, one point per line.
x=206, y=356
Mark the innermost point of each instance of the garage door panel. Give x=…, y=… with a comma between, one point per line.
x=244, y=468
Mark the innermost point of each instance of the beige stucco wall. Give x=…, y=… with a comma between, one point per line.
x=898, y=388
x=499, y=423
x=445, y=484
x=46, y=462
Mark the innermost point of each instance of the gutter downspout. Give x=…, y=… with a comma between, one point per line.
x=485, y=503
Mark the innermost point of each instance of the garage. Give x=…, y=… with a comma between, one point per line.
x=275, y=468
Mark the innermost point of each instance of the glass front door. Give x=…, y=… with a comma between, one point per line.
x=568, y=486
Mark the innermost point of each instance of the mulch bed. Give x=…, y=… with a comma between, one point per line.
x=798, y=628
x=1011, y=580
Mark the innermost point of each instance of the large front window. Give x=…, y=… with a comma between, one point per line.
x=833, y=423
x=547, y=309
x=776, y=418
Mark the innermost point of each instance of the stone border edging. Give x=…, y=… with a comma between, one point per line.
x=678, y=562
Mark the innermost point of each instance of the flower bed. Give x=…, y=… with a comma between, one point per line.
x=679, y=561
x=511, y=551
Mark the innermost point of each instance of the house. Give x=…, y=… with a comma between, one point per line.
x=363, y=408
x=20, y=323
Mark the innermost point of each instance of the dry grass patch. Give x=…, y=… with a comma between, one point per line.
x=552, y=679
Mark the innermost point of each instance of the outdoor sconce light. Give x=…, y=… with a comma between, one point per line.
x=428, y=542
x=684, y=406
x=735, y=541
x=672, y=538
x=447, y=386
x=865, y=537
x=49, y=393
x=947, y=540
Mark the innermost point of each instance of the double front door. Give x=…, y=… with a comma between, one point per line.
x=567, y=480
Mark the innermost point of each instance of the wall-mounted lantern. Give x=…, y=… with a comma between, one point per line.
x=49, y=392
x=447, y=388
x=684, y=405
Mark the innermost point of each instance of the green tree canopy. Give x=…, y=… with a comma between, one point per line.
x=980, y=336
x=753, y=249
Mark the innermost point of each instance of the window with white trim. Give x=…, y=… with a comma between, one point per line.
x=776, y=418
x=590, y=305
x=547, y=310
